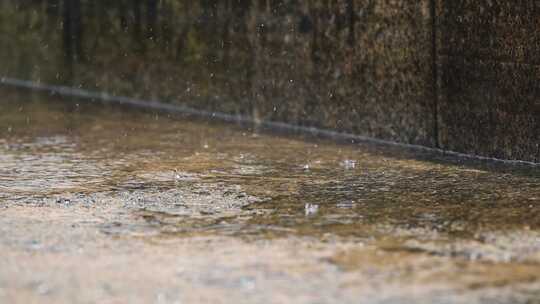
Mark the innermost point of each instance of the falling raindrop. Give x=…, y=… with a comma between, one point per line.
x=348, y=164
x=311, y=209
x=176, y=174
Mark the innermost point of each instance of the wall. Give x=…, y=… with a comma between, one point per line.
x=490, y=56
x=359, y=66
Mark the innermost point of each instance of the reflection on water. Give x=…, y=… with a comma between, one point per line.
x=345, y=190
x=158, y=178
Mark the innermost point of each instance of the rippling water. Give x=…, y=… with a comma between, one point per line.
x=126, y=174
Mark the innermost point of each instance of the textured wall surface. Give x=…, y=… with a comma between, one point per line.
x=490, y=75
x=359, y=66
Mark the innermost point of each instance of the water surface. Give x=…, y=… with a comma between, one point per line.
x=177, y=210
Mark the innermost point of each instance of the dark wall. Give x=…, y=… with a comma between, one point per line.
x=490, y=56
x=360, y=66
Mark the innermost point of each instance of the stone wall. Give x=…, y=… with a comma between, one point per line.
x=359, y=66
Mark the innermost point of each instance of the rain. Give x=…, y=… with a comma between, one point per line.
x=272, y=151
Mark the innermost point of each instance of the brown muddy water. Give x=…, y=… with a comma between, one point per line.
x=105, y=205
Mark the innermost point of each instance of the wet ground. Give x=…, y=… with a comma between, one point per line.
x=104, y=205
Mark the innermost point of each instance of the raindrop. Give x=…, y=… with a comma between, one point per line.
x=65, y=201
x=348, y=164
x=176, y=174
x=43, y=289
x=346, y=204
x=247, y=283
x=311, y=209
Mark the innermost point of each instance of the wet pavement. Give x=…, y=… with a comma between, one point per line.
x=104, y=205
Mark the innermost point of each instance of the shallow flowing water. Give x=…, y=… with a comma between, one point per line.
x=101, y=204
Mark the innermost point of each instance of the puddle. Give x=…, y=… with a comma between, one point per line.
x=227, y=213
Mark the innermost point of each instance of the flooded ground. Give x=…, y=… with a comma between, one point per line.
x=104, y=205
